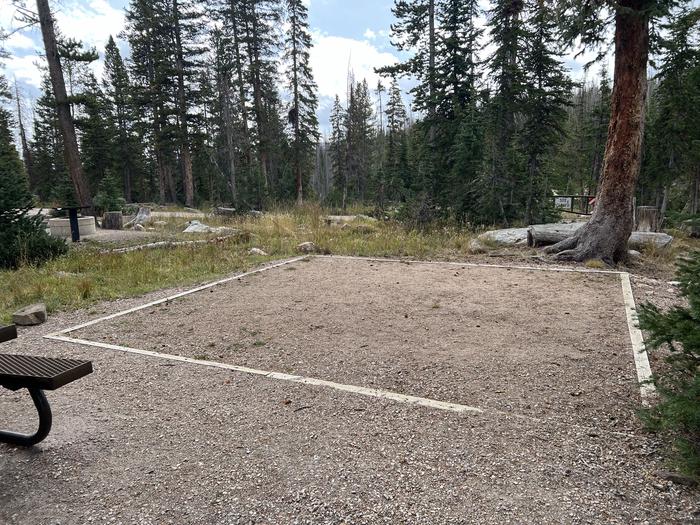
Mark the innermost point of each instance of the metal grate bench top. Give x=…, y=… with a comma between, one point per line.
x=21, y=371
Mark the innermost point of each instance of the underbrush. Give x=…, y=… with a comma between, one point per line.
x=86, y=275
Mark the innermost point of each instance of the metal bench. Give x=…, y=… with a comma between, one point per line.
x=36, y=374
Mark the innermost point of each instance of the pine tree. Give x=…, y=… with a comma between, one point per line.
x=415, y=31
x=122, y=114
x=547, y=92
x=606, y=235
x=302, y=113
x=47, y=149
x=261, y=20
x=148, y=33
x=22, y=238
x=679, y=384
x=396, y=155
x=186, y=23
x=338, y=147
x=507, y=34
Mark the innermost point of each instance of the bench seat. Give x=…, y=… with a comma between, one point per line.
x=36, y=374
x=44, y=373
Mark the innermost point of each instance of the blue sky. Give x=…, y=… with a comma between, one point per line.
x=346, y=33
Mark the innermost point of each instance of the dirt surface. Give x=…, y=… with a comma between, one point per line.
x=451, y=333
x=146, y=440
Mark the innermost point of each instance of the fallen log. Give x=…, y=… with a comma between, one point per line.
x=225, y=212
x=546, y=234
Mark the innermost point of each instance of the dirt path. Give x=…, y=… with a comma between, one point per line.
x=151, y=440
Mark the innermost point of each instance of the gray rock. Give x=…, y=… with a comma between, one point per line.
x=31, y=315
x=139, y=228
x=256, y=251
x=635, y=254
x=307, y=247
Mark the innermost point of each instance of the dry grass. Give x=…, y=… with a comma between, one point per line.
x=85, y=276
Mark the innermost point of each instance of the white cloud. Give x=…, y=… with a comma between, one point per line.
x=24, y=69
x=332, y=57
x=92, y=22
x=369, y=34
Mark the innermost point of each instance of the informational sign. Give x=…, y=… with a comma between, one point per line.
x=563, y=202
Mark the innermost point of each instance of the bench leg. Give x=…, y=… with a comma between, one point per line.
x=44, y=410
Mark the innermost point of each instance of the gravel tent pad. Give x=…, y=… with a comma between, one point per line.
x=540, y=344
x=152, y=440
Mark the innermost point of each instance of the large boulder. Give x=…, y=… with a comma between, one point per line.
x=31, y=315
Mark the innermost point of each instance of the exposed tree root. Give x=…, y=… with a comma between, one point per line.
x=588, y=243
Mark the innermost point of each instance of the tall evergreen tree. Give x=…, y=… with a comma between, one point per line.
x=548, y=91
x=301, y=84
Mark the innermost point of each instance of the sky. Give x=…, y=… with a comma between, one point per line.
x=347, y=34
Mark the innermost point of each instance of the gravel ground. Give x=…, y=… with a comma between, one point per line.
x=144, y=440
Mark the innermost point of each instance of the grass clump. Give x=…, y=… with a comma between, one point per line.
x=678, y=330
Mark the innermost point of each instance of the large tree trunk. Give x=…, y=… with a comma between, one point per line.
x=605, y=236
x=546, y=234
x=65, y=120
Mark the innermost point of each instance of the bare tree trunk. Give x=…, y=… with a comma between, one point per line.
x=605, y=236
x=65, y=120
x=26, y=152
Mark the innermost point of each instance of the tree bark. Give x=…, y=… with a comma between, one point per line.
x=605, y=236
x=65, y=120
x=546, y=234
x=113, y=220
x=26, y=151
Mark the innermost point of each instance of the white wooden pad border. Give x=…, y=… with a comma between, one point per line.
x=641, y=360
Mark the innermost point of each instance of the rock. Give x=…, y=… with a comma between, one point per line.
x=678, y=479
x=257, y=251
x=31, y=315
x=139, y=228
x=674, y=283
x=476, y=246
x=307, y=247
x=634, y=254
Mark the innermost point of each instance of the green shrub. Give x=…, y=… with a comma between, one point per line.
x=109, y=198
x=22, y=238
x=678, y=411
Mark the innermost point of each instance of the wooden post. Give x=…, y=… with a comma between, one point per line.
x=647, y=219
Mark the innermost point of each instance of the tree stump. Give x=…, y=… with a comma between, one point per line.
x=142, y=217
x=647, y=219
x=113, y=220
